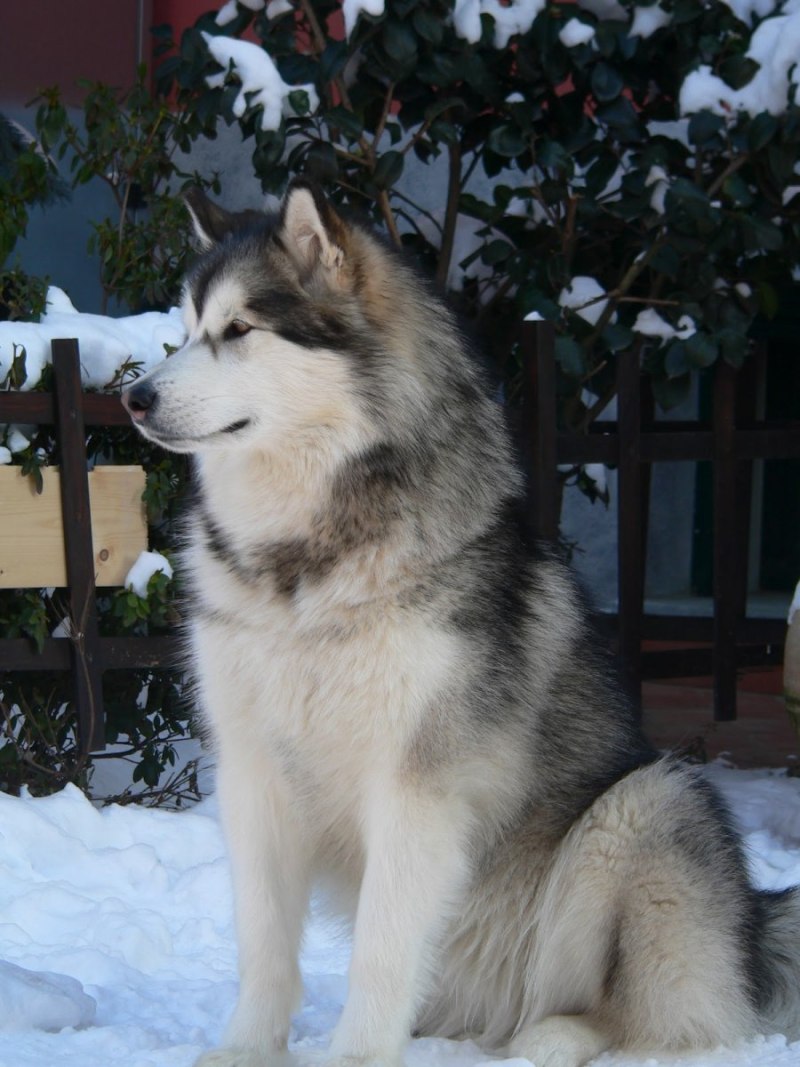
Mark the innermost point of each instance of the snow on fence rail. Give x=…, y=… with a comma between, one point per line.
x=83, y=652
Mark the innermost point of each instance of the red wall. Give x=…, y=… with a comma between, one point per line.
x=181, y=13
x=48, y=42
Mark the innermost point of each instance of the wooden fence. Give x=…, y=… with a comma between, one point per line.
x=732, y=440
x=84, y=652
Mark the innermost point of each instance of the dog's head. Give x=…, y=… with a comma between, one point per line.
x=278, y=311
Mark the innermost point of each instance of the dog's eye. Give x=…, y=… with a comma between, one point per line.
x=238, y=328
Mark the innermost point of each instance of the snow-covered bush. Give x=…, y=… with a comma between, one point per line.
x=641, y=154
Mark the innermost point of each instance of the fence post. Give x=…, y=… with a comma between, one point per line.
x=539, y=413
x=84, y=635
x=630, y=539
x=727, y=561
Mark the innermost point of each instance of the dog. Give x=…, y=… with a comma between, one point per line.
x=405, y=695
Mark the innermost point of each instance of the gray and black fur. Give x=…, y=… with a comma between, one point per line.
x=399, y=679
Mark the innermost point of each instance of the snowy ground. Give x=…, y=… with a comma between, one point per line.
x=135, y=905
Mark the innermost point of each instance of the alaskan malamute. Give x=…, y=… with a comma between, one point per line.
x=406, y=699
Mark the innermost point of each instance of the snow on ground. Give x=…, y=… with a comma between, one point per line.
x=135, y=905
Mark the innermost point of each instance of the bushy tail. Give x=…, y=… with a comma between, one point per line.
x=776, y=975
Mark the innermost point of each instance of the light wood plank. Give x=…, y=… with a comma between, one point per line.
x=31, y=539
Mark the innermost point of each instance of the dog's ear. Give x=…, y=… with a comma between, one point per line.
x=311, y=231
x=211, y=222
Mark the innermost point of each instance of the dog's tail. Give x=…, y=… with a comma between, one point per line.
x=776, y=971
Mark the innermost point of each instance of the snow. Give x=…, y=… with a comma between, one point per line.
x=659, y=179
x=650, y=323
x=647, y=20
x=39, y=1000
x=148, y=564
x=576, y=32
x=17, y=441
x=597, y=473
x=228, y=12
x=353, y=8
x=605, y=9
x=747, y=9
x=260, y=80
x=276, y=8
x=131, y=907
x=510, y=18
x=584, y=296
x=515, y=17
x=105, y=343
x=775, y=45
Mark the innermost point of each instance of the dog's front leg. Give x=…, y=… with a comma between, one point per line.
x=271, y=889
x=415, y=873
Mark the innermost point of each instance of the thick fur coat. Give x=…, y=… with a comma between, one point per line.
x=406, y=700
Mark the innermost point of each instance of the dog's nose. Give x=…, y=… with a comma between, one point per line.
x=139, y=399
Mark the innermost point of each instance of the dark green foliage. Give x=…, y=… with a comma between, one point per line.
x=129, y=141
x=28, y=178
x=568, y=134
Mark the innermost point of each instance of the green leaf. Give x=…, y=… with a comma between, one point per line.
x=342, y=119
x=666, y=261
x=496, y=252
x=759, y=235
x=703, y=126
x=676, y=361
x=321, y=162
x=701, y=350
x=735, y=188
x=733, y=346
x=606, y=83
x=617, y=337
x=388, y=169
x=761, y=131
x=443, y=131
x=738, y=71
x=507, y=141
x=622, y=119
x=299, y=101
x=570, y=357
x=549, y=153
x=428, y=26
x=400, y=42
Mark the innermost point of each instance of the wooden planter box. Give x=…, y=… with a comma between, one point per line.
x=31, y=534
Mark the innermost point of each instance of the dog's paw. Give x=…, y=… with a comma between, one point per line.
x=559, y=1041
x=241, y=1057
x=363, y=1061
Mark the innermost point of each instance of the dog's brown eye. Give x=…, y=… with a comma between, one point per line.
x=236, y=328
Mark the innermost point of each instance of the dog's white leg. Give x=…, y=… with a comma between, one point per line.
x=415, y=871
x=560, y=1041
x=270, y=880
